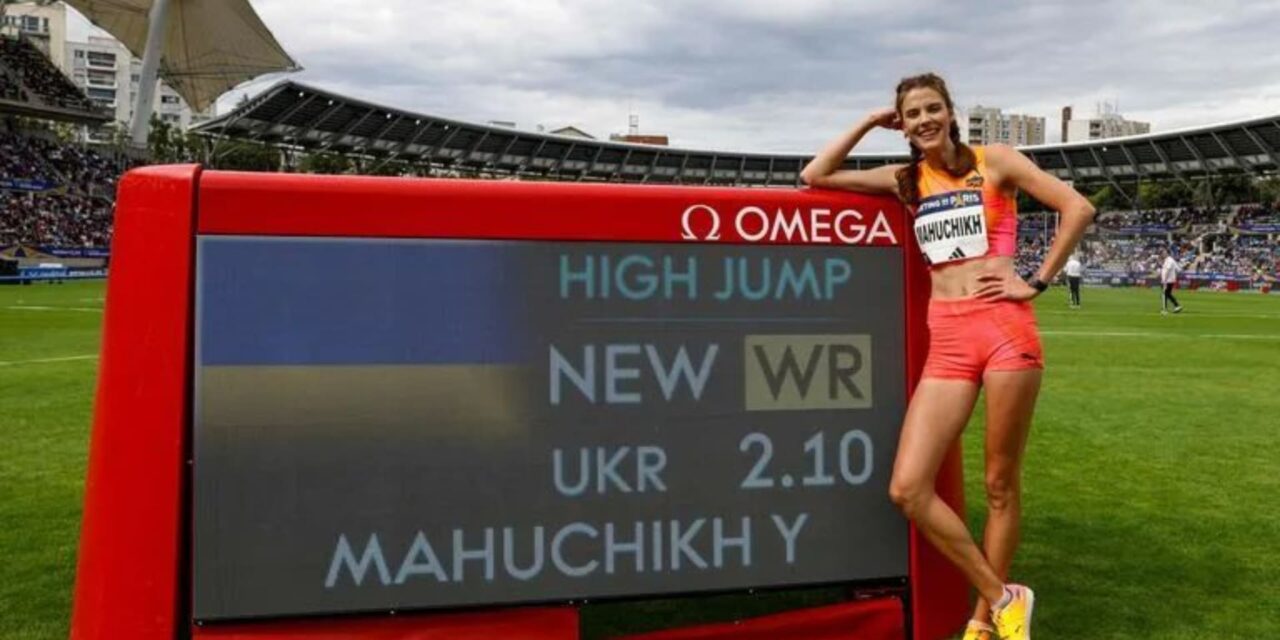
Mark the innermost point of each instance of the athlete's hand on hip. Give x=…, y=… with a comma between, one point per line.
x=886, y=117
x=994, y=286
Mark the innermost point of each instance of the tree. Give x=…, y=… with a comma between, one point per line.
x=1234, y=189
x=1160, y=194
x=244, y=156
x=167, y=144
x=1177, y=194
x=1163, y=195
x=1202, y=195
x=388, y=168
x=65, y=132
x=1103, y=199
x=1269, y=190
x=325, y=162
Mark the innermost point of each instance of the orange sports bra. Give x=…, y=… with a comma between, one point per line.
x=966, y=217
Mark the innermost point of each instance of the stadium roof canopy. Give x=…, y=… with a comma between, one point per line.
x=299, y=116
x=208, y=48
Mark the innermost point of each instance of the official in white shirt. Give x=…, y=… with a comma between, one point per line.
x=1074, y=272
x=1169, y=277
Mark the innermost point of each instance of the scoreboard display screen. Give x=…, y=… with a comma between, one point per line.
x=386, y=424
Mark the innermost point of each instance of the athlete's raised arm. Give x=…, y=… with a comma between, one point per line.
x=824, y=170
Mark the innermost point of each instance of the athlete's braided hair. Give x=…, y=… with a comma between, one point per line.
x=909, y=176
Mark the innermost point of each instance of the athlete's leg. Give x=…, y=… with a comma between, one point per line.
x=1011, y=399
x=936, y=416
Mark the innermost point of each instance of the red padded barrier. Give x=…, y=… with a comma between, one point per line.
x=879, y=619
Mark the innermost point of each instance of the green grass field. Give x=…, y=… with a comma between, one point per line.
x=1152, y=479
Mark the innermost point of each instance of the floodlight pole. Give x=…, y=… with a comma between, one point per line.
x=157, y=25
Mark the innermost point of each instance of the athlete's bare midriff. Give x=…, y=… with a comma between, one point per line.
x=960, y=279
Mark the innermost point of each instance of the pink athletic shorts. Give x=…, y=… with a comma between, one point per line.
x=969, y=336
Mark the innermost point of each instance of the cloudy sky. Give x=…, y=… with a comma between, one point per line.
x=783, y=75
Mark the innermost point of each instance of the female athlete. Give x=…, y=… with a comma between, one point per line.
x=982, y=329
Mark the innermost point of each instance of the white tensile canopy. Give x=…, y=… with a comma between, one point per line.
x=201, y=48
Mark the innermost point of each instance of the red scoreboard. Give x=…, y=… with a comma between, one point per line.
x=388, y=408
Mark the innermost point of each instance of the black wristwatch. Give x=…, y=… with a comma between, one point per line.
x=1039, y=285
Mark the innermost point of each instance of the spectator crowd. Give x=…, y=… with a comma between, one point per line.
x=22, y=64
x=1204, y=240
x=75, y=212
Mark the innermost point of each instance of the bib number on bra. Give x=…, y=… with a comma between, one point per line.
x=951, y=226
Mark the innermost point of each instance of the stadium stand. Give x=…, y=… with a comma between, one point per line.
x=298, y=116
x=86, y=171
x=51, y=194
x=1169, y=218
x=54, y=194
x=1130, y=246
x=31, y=85
x=43, y=81
x=1257, y=214
x=11, y=89
x=54, y=220
x=23, y=158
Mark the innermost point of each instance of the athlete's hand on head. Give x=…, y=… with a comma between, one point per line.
x=993, y=286
x=886, y=117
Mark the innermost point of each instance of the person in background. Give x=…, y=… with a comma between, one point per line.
x=1074, y=272
x=1168, y=279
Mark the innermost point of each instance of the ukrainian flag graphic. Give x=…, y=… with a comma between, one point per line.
x=330, y=336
